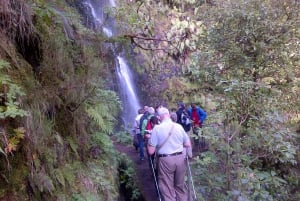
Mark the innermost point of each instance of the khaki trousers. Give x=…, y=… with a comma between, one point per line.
x=171, y=173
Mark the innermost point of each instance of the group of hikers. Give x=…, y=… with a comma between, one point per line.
x=165, y=136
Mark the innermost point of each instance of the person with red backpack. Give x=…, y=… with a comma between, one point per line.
x=198, y=116
x=143, y=124
x=148, y=124
x=152, y=121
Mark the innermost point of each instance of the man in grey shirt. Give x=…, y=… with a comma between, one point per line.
x=168, y=139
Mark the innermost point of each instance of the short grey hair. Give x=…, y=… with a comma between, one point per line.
x=162, y=111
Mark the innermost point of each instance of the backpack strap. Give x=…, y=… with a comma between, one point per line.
x=164, y=142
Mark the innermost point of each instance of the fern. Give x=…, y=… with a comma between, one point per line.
x=127, y=176
x=59, y=176
x=73, y=146
x=10, y=109
x=103, y=108
x=9, y=93
x=15, y=140
x=68, y=173
x=43, y=181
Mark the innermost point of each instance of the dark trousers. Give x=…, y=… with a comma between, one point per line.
x=141, y=145
x=199, y=140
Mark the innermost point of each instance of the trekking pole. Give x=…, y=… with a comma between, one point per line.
x=155, y=180
x=188, y=186
x=191, y=178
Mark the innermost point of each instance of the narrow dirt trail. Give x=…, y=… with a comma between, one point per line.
x=144, y=173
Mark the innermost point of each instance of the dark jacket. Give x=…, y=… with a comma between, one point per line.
x=179, y=113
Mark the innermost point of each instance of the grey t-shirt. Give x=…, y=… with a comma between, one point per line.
x=176, y=140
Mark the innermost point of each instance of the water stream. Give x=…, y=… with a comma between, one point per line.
x=68, y=30
x=127, y=89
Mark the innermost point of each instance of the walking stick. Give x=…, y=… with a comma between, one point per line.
x=188, y=185
x=155, y=180
x=190, y=177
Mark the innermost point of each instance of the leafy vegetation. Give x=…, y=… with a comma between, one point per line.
x=238, y=61
x=10, y=94
x=128, y=178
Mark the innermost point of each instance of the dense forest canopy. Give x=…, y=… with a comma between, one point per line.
x=239, y=59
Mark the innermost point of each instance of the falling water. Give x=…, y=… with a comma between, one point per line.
x=127, y=91
x=95, y=11
x=69, y=32
x=130, y=99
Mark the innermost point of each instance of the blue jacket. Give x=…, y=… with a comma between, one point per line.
x=202, y=114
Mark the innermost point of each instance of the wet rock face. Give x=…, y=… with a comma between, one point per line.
x=85, y=11
x=31, y=50
x=17, y=23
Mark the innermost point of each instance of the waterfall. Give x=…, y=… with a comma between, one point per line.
x=127, y=90
x=69, y=32
x=130, y=100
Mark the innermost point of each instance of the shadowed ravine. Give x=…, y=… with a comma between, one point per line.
x=144, y=175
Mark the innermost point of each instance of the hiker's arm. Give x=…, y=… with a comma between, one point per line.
x=186, y=140
x=187, y=143
x=152, y=142
x=151, y=149
x=202, y=115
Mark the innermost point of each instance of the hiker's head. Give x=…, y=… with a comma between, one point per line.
x=157, y=107
x=173, y=116
x=146, y=109
x=193, y=105
x=180, y=104
x=163, y=113
x=154, y=120
x=141, y=111
x=151, y=110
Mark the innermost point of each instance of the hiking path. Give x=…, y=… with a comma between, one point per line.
x=145, y=179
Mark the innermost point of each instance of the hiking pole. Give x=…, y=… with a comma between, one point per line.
x=188, y=186
x=191, y=178
x=154, y=175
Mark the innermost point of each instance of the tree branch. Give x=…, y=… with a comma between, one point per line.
x=145, y=38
